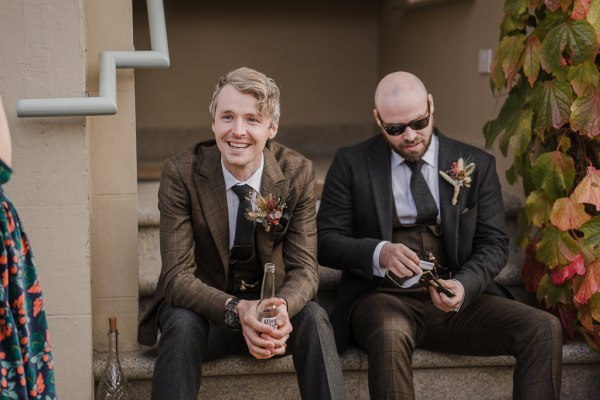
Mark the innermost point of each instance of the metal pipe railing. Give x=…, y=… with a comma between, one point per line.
x=106, y=103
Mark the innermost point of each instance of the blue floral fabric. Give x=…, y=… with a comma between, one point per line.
x=26, y=369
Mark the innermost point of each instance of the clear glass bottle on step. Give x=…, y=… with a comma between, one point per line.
x=113, y=384
x=266, y=309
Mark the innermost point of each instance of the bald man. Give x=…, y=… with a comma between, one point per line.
x=388, y=217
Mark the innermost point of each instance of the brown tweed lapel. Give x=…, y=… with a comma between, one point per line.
x=273, y=181
x=210, y=187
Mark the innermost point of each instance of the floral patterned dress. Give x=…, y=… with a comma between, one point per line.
x=26, y=370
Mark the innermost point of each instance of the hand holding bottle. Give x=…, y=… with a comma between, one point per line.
x=262, y=340
x=268, y=329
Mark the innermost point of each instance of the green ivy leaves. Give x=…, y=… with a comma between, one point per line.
x=548, y=61
x=552, y=99
x=585, y=114
x=553, y=173
x=572, y=42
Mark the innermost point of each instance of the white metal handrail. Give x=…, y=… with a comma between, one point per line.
x=106, y=103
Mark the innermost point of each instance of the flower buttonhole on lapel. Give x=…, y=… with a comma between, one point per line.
x=269, y=211
x=459, y=175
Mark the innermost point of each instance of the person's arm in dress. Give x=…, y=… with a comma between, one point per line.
x=5, y=144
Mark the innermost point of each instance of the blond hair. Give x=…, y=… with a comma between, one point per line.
x=252, y=82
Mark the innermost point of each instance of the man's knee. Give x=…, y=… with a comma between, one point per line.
x=311, y=322
x=312, y=314
x=549, y=325
x=392, y=339
x=544, y=332
x=183, y=327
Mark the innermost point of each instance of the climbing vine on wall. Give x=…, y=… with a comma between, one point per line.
x=548, y=65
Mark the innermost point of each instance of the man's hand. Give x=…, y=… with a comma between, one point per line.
x=400, y=260
x=262, y=340
x=280, y=335
x=445, y=303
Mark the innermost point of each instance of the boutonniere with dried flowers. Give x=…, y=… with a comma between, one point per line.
x=268, y=211
x=459, y=175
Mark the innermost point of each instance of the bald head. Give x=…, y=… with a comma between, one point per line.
x=399, y=88
x=404, y=113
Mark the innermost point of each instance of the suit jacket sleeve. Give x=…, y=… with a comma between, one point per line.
x=482, y=240
x=299, y=244
x=180, y=286
x=342, y=243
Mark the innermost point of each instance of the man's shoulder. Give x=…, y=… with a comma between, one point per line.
x=287, y=157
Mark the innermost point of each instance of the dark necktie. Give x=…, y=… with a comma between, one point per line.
x=427, y=210
x=243, y=244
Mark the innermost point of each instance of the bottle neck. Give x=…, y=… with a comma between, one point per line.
x=267, y=290
x=113, y=344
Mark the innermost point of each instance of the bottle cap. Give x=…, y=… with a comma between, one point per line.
x=269, y=267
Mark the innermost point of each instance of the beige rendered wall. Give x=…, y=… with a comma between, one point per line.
x=440, y=44
x=75, y=177
x=42, y=55
x=113, y=180
x=322, y=54
x=327, y=58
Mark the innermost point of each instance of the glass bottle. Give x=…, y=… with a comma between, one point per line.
x=113, y=384
x=267, y=309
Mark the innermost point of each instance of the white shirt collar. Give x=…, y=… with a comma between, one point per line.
x=254, y=181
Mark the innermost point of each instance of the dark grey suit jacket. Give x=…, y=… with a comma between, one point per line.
x=194, y=233
x=355, y=214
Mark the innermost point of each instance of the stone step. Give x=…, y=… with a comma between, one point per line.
x=436, y=375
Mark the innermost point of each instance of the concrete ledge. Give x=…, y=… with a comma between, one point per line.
x=436, y=376
x=140, y=365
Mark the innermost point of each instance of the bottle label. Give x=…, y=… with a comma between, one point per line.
x=271, y=321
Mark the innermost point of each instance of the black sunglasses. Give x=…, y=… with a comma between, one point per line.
x=398, y=129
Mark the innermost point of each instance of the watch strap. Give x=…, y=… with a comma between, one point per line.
x=232, y=318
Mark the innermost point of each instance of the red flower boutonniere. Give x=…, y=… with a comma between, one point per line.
x=459, y=175
x=268, y=211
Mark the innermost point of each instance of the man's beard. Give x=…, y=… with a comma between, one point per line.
x=410, y=156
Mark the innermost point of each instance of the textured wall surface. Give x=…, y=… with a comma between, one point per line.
x=42, y=55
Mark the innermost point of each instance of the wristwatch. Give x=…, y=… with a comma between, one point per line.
x=232, y=319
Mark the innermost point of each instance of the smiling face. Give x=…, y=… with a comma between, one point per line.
x=241, y=131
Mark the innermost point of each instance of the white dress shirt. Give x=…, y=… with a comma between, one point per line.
x=233, y=201
x=403, y=200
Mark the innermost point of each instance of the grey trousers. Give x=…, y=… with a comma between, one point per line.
x=187, y=340
x=390, y=326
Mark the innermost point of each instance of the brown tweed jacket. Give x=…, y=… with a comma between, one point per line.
x=194, y=233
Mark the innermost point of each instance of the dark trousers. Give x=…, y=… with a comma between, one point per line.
x=390, y=326
x=187, y=340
